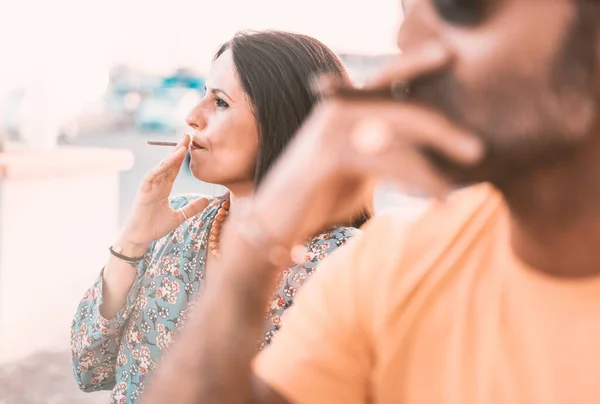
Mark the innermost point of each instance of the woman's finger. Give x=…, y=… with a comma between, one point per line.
x=177, y=163
x=183, y=142
x=192, y=209
x=169, y=168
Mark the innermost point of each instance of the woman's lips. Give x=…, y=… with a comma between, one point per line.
x=196, y=146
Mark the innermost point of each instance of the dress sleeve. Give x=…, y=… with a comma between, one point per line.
x=294, y=277
x=95, y=340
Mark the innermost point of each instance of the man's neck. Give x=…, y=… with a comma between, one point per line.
x=555, y=215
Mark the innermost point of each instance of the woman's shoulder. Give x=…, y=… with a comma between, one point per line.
x=190, y=228
x=337, y=235
x=320, y=246
x=179, y=201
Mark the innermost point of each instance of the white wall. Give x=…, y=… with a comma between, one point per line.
x=50, y=230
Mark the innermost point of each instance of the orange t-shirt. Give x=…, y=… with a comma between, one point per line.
x=438, y=311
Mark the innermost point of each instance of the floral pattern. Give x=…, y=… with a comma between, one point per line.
x=119, y=353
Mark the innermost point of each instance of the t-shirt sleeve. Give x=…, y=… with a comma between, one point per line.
x=323, y=353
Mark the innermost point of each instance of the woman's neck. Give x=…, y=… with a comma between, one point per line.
x=236, y=200
x=239, y=195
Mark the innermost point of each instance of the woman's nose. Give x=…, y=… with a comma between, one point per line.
x=195, y=119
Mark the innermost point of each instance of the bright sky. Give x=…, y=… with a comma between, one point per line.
x=74, y=36
x=190, y=31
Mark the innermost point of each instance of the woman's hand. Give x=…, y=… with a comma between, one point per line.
x=152, y=216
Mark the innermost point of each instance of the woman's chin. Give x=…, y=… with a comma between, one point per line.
x=201, y=171
x=209, y=177
x=204, y=176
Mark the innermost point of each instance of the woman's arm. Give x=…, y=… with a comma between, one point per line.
x=105, y=308
x=94, y=337
x=118, y=277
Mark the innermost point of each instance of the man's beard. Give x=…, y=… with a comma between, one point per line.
x=526, y=125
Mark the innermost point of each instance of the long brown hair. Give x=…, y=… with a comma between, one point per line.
x=276, y=69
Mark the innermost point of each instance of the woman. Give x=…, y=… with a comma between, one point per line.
x=257, y=94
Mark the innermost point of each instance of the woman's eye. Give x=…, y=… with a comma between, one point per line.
x=220, y=103
x=461, y=12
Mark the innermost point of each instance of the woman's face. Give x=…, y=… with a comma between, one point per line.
x=225, y=135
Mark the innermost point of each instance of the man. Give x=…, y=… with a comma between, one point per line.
x=493, y=295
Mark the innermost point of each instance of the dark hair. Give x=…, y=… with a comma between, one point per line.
x=275, y=69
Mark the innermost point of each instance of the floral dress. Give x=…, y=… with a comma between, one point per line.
x=119, y=353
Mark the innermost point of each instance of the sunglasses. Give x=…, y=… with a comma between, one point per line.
x=464, y=12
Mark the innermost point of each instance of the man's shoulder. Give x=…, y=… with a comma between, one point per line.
x=464, y=211
x=441, y=217
x=394, y=241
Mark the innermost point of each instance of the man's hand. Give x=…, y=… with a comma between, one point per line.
x=348, y=145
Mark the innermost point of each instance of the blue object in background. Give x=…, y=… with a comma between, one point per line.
x=184, y=78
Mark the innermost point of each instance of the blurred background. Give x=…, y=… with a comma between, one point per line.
x=83, y=86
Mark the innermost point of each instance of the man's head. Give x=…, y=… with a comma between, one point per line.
x=524, y=76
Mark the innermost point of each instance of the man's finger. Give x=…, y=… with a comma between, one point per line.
x=410, y=65
x=419, y=126
x=413, y=170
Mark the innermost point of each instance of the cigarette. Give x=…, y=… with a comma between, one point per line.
x=398, y=92
x=156, y=143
